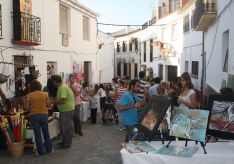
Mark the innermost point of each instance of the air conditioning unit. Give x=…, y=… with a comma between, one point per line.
x=65, y=39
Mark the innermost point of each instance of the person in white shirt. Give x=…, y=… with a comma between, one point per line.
x=187, y=98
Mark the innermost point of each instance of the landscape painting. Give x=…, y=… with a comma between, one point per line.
x=189, y=124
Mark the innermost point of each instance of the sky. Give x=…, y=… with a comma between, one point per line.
x=125, y=12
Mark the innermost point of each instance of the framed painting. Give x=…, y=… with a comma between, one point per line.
x=153, y=116
x=221, y=118
x=189, y=124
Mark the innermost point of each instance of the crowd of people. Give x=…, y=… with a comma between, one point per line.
x=123, y=101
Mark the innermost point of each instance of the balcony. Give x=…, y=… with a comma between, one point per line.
x=27, y=29
x=205, y=12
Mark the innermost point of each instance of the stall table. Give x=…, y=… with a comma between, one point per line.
x=218, y=153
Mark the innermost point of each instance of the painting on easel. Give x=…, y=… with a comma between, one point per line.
x=221, y=120
x=190, y=124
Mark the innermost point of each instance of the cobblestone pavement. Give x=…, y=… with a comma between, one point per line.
x=99, y=145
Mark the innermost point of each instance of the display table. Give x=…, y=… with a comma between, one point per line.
x=85, y=112
x=217, y=153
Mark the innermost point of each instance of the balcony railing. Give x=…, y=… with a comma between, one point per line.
x=0, y=21
x=27, y=29
x=205, y=12
x=149, y=23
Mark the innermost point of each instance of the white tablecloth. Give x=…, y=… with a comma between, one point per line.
x=85, y=112
x=218, y=153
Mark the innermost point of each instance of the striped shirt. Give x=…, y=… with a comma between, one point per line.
x=140, y=94
x=120, y=92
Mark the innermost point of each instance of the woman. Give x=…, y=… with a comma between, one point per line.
x=37, y=103
x=102, y=95
x=187, y=98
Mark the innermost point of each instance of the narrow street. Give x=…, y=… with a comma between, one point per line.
x=99, y=145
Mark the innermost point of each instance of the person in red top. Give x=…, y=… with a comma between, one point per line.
x=76, y=90
x=119, y=92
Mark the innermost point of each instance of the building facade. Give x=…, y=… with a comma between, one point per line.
x=105, y=56
x=214, y=21
x=49, y=37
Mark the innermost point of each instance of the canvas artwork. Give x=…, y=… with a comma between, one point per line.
x=150, y=120
x=139, y=147
x=189, y=124
x=222, y=116
x=153, y=116
x=186, y=152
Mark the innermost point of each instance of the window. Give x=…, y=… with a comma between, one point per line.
x=135, y=70
x=192, y=20
x=160, y=71
x=130, y=46
x=63, y=20
x=144, y=51
x=129, y=70
x=151, y=50
x=194, y=69
x=118, y=47
x=86, y=28
x=136, y=44
x=186, y=24
x=125, y=69
x=124, y=48
x=186, y=66
x=225, y=47
x=118, y=69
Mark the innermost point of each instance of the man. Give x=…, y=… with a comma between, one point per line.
x=153, y=89
x=143, y=93
x=128, y=104
x=66, y=105
x=76, y=91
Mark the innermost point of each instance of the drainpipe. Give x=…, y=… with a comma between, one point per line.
x=203, y=68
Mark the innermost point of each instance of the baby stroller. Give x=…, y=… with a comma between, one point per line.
x=109, y=113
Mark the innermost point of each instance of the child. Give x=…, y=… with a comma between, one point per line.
x=93, y=105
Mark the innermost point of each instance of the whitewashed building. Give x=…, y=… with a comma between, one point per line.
x=215, y=21
x=35, y=34
x=105, y=57
x=127, y=52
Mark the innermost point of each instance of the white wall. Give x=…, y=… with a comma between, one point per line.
x=213, y=45
x=51, y=48
x=128, y=54
x=105, y=57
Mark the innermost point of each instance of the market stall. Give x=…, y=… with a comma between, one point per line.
x=219, y=152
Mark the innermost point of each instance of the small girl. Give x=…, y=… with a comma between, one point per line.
x=94, y=98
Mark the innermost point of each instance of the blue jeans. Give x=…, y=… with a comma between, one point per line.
x=39, y=123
